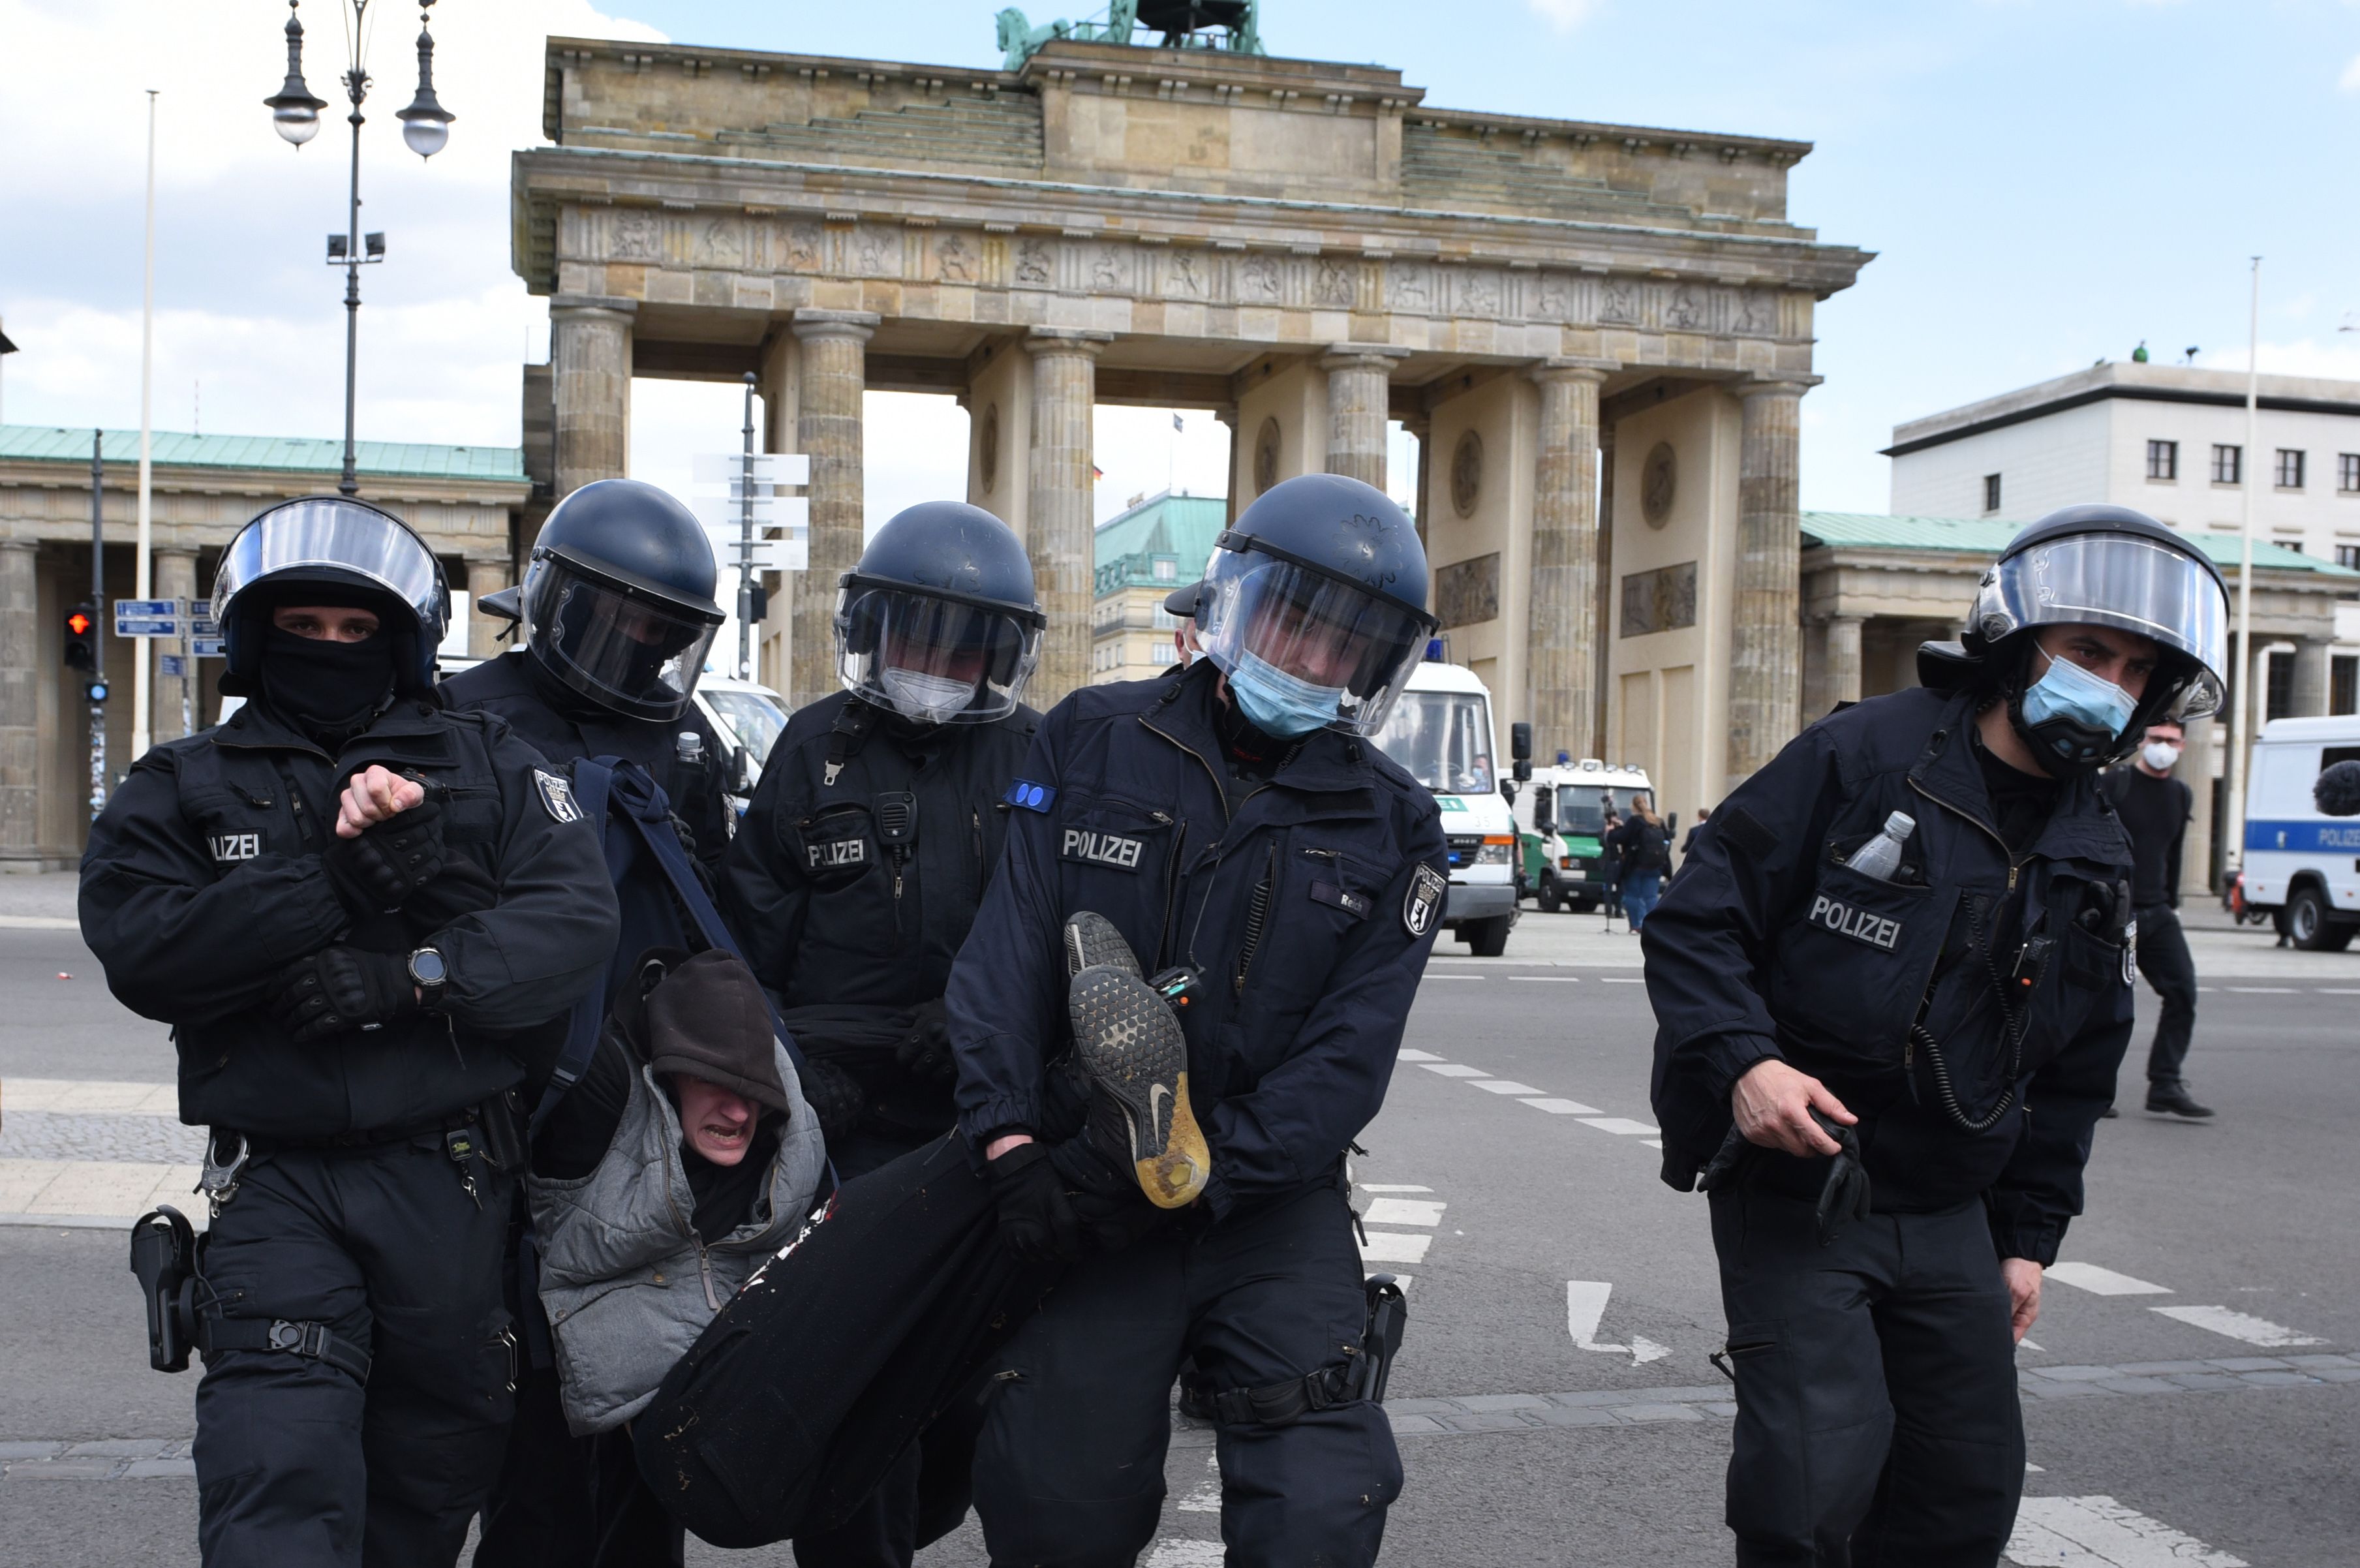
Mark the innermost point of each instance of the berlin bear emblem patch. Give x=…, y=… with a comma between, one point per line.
x=557, y=797
x=1422, y=905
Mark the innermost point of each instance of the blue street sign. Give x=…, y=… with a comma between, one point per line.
x=206, y=647
x=145, y=626
x=203, y=626
x=172, y=664
x=149, y=610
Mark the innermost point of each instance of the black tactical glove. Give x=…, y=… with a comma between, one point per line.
x=1036, y=1217
x=388, y=861
x=926, y=1056
x=339, y=990
x=1843, y=1197
x=836, y=1098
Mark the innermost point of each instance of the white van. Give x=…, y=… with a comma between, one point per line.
x=2302, y=867
x=1441, y=731
x=1560, y=817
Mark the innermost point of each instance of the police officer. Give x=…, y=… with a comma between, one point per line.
x=863, y=853
x=616, y=614
x=1887, y=1066
x=358, y=911
x=1255, y=853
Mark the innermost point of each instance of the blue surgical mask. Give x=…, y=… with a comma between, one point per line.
x=2069, y=691
x=1279, y=703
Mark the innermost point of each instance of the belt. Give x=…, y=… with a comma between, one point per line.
x=366, y=1138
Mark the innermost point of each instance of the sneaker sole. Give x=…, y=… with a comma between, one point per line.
x=1091, y=940
x=1131, y=1047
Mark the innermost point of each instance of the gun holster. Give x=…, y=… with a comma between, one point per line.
x=164, y=1257
x=1360, y=1376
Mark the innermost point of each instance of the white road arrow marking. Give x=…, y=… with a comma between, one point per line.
x=1585, y=1307
x=2103, y=1281
x=2237, y=1326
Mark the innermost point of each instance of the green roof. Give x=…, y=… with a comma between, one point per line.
x=284, y=454
x=1989, y=537
x=1179, y=529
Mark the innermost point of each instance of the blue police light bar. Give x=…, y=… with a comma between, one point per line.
x=1434, y=650
x=98, y=690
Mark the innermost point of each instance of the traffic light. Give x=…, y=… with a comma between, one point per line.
x=81, y=637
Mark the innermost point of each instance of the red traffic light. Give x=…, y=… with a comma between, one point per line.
x=79, y=624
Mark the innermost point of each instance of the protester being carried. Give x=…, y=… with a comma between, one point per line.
x=684, y=1156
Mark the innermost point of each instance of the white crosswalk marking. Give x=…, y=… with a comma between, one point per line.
x=1550, y=978
x=1564, y=1107
x=1622, y=1124
x=1390, y=1186
x=2099, y=1533
x=2237, y=1326
x=1394, y=1246
x=1503, y=1086
x=2103, y=1281
x=1185, y=1554
x=1454, y=1069
x=1405, y=1054
x=1404, y=1212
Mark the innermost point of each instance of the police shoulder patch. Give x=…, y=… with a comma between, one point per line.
x=1030, y=795
x=1422, y=905
x=557, y=796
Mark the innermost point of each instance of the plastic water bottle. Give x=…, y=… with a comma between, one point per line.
x=1881, y=856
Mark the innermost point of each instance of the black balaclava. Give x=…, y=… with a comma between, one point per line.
x=330, y=691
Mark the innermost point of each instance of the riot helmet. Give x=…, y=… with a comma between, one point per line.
x=1313, y=606
x=937, y=620
x=337, y=550
x=2105, y=566
x=617, y=601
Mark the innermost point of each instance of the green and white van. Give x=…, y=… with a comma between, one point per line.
x=1559, y=816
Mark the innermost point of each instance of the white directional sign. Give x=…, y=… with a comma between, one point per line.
x=770, y=469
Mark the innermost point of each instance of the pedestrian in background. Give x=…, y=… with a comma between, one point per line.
x=2154, y=808
x=1610, y=857
x=1644, y=853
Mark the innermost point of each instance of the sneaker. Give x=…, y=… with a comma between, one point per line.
x=1091, y=940
x=1130, y=1049
x=2173, y=1099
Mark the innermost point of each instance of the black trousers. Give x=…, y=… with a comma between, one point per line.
x=297, y=1461
x=1877, y=1420
x=2164, y=960
x=927, y=1492
x=1070, y=1471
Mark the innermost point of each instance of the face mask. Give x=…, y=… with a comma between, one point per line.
x=2070, y=692
x=924, y=699
x=2160, y=755
x=326, y=688
x=1279, y=703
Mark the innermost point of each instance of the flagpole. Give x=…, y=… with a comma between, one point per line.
x=2240, y=744
x=143, y=729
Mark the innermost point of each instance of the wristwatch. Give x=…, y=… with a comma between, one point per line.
x=427, y=972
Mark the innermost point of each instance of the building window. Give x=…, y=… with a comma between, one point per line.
x=2228, y=465
x=1166, y=570
x=2343, y=684
x=2348, y=555
x=2293, y=545
x=2347, y=473
x=1990, y=492
x=2163, y=459
x=2289, y=470
x=2278, y=691
x=1163, y=653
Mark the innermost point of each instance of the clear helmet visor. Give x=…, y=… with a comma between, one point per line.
x=331, y=536
x=2126, y=582
x=933, y=661
x=634, y=653
x=1323, y=634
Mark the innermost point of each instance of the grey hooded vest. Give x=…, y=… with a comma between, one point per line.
x=628, y=1282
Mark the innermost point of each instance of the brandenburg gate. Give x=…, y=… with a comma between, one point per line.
x=1599, y=335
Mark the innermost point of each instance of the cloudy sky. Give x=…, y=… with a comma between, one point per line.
x=2048, y=182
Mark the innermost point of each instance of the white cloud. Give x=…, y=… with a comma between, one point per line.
x=2350, y=81
x=1563, y=15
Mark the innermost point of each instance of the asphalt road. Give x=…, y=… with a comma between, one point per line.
x=2159, y=1439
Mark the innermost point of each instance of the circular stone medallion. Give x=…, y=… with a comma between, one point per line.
x=1658, y=480
x=1265, y=462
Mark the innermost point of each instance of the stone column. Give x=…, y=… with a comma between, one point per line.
x=1765, y=685
x=175, y=577
x=487, y=575
x=833, y=372
x=1843, y=659
x=1602, y=613
x=1422, y=427
x=1360, y=382
x=1561, y=627
x=20, y=704
x=2309, y=695
x=1058, y=507
x=590, y=360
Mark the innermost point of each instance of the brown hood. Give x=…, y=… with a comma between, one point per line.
x=707, y=1018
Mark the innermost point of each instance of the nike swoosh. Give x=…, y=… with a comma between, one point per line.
x=1155, y=1096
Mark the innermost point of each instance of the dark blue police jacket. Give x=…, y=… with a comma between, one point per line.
x=1768, y=945
x=1310, y=916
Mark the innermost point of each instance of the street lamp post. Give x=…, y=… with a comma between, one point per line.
x=425, y=127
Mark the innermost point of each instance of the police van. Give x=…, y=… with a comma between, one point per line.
x=1441, y=731
x=2302, y=867
x=1561, y=819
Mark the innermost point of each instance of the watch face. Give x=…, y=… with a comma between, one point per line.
x=426, y=967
